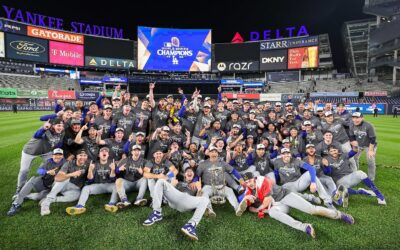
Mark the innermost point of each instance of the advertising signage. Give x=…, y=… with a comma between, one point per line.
x=109, y=48
x=12, y=27
x=230, y=52
x=284, y=76
x=66, y=53
x=8, y=93
x=111, y=63
x=55, y=35
x=289, y=43
x=302, y=58
x=61, y=94
x=26, y=48
x=273, y=60
x=174, y=49
x=237, y=66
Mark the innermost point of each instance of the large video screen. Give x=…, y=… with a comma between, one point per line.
x=302, y=58
x=174, y=49
x=109, y=48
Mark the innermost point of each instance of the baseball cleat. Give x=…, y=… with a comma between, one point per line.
x=79, y=209
x=364, y=191
x=111, y=208
x=310, y=231
x=140, y=202
x=190, y=231
x=13, y=210
x=339, y=193
x=241, y=208
x=153, y=218
x=44, y=210
x=345, y=199
x=381, y=202
x=347, y=218
x=123, y=204
x=210, y=213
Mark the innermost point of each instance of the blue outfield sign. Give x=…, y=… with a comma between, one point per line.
x=334, y=94
x=364, y=108
x=87, y=95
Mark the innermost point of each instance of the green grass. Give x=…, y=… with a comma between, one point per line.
x=375, y=227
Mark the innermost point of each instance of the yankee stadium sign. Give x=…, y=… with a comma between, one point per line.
x=58, y=23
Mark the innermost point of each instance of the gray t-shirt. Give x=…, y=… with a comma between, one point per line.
x=322, y=148
x=43, y=145
x=70, y=167
x=160, y=168
x=363, y=133
x=340, y=167
x=203, y=171
x=131, y=172
x=184, y=188
x=288, y=172
x=337, y=129
x=102, y=172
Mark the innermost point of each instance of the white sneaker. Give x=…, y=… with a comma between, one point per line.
x=366, y=192
x=210, y=213
x=381, y=202
x=140, y=202
x=44, y=211
x=241, y=208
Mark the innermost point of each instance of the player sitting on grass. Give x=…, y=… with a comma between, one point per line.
x=131, y=172
x=180, y=197
x=101, y=177
x=264, y=196
x=338, y=166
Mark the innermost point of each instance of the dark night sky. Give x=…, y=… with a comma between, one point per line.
x=223, y=17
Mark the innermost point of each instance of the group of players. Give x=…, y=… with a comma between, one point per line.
x=269, y=156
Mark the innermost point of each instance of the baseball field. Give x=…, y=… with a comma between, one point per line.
x=376, y=227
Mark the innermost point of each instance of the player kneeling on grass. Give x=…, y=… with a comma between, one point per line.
x=100, y=177
x=42, y=183
x=338, y=166
x=264, y=196
x=131, y=172
x=69, y=181
x=180, y=197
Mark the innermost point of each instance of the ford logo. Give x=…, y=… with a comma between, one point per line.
x=25, y=46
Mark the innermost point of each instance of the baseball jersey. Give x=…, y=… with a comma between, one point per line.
x=131, y=173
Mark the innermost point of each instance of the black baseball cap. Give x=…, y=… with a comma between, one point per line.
x=247, y=176
x=57, y=121
x=81, y=151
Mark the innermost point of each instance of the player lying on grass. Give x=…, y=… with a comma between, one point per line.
x=338, y=166
x=180, y=197
x=264, y=196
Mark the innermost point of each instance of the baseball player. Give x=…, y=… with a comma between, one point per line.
x=69, y=181
x=264, y=196
x=44, y=141
x=338, y=166
x=42, y=183
x=364, y=133
x=88, y=142
x=287, y=172
x=100, y=176
x=203, y=171
x=157, y=168
x=322, y=147
x=116, y=144
x=182, y=198
x=131, y=172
